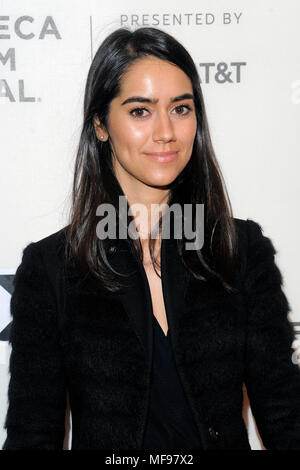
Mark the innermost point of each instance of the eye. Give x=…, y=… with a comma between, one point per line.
x=139, y=115
x=137, y=112
x=181, y=106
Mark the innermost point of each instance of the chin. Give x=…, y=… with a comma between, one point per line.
x=162, y=181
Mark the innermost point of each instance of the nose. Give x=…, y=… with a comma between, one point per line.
x=163, y=128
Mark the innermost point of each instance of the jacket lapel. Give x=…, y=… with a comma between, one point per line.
x=135, y=296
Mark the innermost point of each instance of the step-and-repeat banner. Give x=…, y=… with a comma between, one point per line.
x=247, y=55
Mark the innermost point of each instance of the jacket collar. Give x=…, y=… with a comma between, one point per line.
x=135, y=295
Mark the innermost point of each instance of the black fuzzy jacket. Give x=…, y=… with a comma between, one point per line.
x=69, y=335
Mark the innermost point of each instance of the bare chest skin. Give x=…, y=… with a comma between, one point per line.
x=158, y=304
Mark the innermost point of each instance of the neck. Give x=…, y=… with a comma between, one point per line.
x=152, y=201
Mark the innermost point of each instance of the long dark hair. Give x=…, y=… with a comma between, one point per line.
x=201, y=180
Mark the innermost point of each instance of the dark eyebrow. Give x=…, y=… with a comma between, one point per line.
x=141, y=99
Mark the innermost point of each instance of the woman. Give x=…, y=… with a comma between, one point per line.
x=152, y=342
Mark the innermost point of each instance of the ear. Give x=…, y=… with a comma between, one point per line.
x=100, y=129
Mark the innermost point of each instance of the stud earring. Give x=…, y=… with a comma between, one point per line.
x=101, y=137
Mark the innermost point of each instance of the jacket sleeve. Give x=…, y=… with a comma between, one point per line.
x=272, y=378
x=35, y=417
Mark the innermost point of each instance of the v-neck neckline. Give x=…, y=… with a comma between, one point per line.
x=162, y=331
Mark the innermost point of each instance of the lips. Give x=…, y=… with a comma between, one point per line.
x=163, y=156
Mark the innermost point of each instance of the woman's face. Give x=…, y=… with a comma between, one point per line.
x=136, y=129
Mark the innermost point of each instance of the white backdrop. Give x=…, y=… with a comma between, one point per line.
x=251, y=90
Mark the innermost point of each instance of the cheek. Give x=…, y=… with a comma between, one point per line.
x=188, y=133
x=130, y=135
x=137, y=133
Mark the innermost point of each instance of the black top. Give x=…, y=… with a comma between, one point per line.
x=170, y=423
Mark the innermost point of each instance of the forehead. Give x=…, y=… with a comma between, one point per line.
x=154, y=75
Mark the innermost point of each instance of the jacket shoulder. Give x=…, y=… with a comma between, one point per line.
x=47, y=255
x=53, y=243
x=252, y=244
x=49, y=246
x=248, y=231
